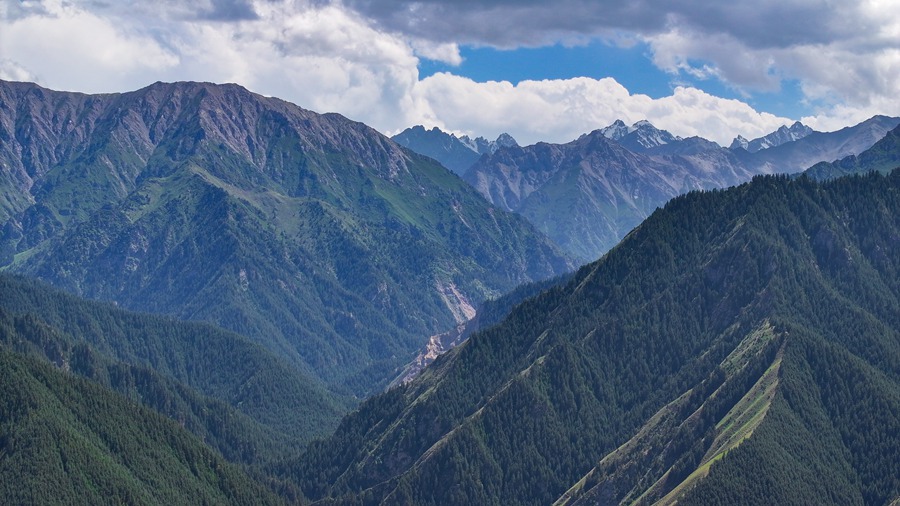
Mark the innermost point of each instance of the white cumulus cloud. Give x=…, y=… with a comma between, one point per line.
x=561, y=110
x=360, y=58
x=844, y=55
x=67, y=45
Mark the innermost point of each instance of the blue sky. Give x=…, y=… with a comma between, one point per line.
x=630, y=66
x=539, y=70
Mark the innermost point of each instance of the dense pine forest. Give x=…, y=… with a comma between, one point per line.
x=770, y=310
x=67, y=440
x=226, y=400
x=140, y=354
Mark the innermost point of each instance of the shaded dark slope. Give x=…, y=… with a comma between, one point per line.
x=696, y=325
x=236, y=436
x=65, y=440
x=312, y=234
x=443, y=147
x=240, y=398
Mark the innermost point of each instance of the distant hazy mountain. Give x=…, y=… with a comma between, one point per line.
x=816, y=147
x=455, y=153
x=312, y=234
x=445, y=148
x=883, y=157
x=781, y=136
x=586, y=194
x=739, y=347
x=485, y=147
x=638, y=137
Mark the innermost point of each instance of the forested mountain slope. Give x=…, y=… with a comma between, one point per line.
x=740, y=346
x=312, y=234
x=67, y=440
x=238, y=397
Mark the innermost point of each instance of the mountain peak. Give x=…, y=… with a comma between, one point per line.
x=455, y=153
x=505, y=140
x=640, y=136
x=483, y=146
x=783, y=135
x=616, y=131
x=739, y=142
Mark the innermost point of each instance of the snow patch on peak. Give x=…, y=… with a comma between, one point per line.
x=783, y=135
x=506, y=141
x=483, y=146
x=616, y=131
x=469, y=142
x=648, y=136
x=739, y=142
x=641, y=135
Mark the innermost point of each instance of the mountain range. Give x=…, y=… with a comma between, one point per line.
x=311, y=234
x=587, y=194
x=795, y=156
x=455, y=153
x=783, y=135
x=739, y=346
